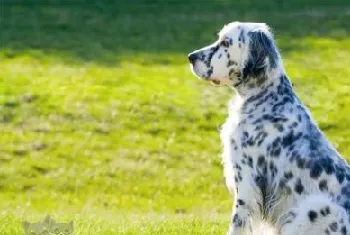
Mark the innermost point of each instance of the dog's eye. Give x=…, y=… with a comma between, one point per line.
x=225, y=43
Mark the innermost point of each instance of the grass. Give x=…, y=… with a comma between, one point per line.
x=102, y=121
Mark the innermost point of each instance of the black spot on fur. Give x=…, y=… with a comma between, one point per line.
x=293, y=125
x=274, y=119
x=241, y=37
x=261, y=162
x=299, y=188
x=273, y=169
x=279, y=127
x=240, y=202
x=239, y=175
x=259, y=139
x=259, y=127
x=312, y=215
x=333, y=226
x=346, y=205
x=275, y=148
x=325, y=211
x=244, y=139
x=231, y=72
x=300, y=163
x=328, y=165
x=231, y=62
x=250, y=162
x=288, y=175
x=290, y=138
x=299, y=117
x=238, y=167
x=210, y=72
x=237, y=221
x=323, y=185
x=213, y=50
x=315, y=169
x=343, y=230
x=262, y=182
x=345, y=191
x=340, y=177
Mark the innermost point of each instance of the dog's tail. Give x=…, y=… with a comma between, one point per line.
x=315, y=215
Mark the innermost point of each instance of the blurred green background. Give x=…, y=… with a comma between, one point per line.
x=102, y=122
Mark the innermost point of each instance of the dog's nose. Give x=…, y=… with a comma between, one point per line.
x=192, y=57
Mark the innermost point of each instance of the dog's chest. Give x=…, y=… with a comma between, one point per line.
x=246, y=143
x=241, y=137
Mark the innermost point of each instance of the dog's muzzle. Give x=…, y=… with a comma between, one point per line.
x=192, y=57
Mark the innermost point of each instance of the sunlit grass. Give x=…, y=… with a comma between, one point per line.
x=147, y=224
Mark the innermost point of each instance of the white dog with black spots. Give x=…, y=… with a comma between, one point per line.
x=279, y=165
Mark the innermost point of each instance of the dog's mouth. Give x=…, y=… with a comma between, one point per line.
x=204, y=76
x=215, y=82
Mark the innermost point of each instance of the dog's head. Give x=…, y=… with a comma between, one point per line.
x=242, y=55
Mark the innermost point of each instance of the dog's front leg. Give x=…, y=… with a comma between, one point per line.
x=241, y=223
x=245, y=209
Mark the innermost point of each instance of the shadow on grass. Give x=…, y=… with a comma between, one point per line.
x=106, y=31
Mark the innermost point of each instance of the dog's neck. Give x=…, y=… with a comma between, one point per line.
x=272, y=88
x=253, y=84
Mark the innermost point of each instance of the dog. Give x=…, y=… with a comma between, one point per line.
x=277, y=163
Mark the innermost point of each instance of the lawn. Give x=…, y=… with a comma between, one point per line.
x=102, y=121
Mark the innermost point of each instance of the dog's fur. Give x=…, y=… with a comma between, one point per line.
x=278, y=164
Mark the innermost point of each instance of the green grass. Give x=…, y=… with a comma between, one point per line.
x=102, y=121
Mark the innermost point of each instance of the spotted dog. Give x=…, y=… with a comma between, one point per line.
x=279, y=165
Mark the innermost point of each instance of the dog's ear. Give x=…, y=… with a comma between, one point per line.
x=262, y=53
